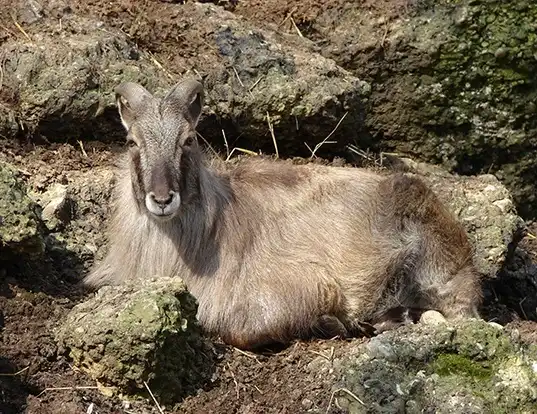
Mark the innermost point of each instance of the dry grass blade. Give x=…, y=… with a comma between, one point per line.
x=377, y=160
x=238, y=77
x=159, y=408
x=348, y=392
x=16, y=373
x=325, y=141
x=226, y=144
x=328, y=357
x=208, y=144
x=22, y=30
x=243, y=150
x=76, y=388
x=294, y=9
x=361, y=152
x=234, y=380
x=1, y=75
x=296, y=27
x=271, y=129
x=160, y=66
x=521, y=308
x=255, y=84
x=249, y=355
x=81, y=145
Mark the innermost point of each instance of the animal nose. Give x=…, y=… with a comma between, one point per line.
x=162, y=200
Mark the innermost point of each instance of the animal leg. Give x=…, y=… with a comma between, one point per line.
x=396, y=317
x=441, y=269
x=329, y=326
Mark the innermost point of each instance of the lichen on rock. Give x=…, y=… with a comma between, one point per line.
x=470, y=366
x=472, y=103
x=140, y=332
x=20, y=226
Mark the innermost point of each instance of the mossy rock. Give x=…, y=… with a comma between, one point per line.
x=20, y=225
x=470, y=367
x=453, y=82
x=140, y=333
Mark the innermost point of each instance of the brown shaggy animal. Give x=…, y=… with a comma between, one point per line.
x=274, y=251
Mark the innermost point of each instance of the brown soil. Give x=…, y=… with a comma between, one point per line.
x=310, y=17
x=34, y=297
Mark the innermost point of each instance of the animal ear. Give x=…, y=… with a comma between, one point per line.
x=187, y=97
x=130, y=98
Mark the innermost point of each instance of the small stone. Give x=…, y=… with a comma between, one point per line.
x=504, y=205
x=432, y=317
x=501, y=52
x=307, y=404
x=496, y=325
x=381, y=349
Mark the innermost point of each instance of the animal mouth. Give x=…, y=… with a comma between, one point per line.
x=163, y=208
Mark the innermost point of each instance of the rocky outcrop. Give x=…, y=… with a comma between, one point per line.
x=129, y=336
x=59, y=82
x=452, y=82
x=471, y=367
x=446, y=82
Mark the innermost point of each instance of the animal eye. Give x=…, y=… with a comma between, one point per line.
x=189, y=141
x=131, y=143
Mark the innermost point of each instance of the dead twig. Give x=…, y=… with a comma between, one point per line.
x=76, y=388
x=240, y=351
x=296, y=27
x=226, y=144
x=325, y=141
x=345, y=390
x=22, y=30
x=237, y=75
x=271, y=129
x=16, y=373
x=234, y=380
x=159, y=408
x=81, y=145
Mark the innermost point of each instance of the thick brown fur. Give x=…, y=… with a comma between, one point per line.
x=274, y=251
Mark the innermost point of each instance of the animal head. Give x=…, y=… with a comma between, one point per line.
x=161, y=134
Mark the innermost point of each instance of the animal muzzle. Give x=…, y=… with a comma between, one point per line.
x=163, y=204
x=162, y=200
